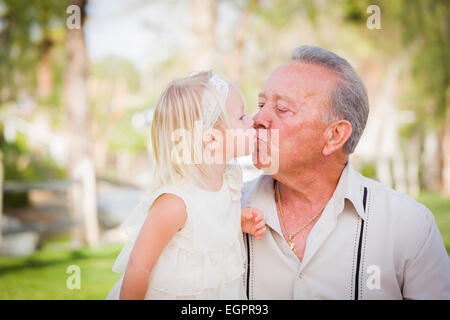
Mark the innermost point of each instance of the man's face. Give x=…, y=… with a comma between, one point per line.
x=295, y=100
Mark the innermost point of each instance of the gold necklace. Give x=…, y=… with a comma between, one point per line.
x=292, y=236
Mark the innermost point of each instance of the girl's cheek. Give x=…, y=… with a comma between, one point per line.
x=250, y=122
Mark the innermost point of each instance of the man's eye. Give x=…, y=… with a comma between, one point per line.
x=282, y=109
x=260, y=105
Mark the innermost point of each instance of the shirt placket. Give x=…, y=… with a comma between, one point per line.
x=320, y=232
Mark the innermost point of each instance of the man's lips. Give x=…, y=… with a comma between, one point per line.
x=258, y=139
x=258, y=142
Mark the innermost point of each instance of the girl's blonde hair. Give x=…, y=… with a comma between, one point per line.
x=180, y=108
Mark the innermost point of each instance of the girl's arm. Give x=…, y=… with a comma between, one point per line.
x=166, y=216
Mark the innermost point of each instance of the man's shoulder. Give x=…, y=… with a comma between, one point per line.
x=250, y=187
x=399, y=216
x=255, y=183
x=397, y=206
x=250, y=184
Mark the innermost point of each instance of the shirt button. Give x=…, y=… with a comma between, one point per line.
x=300, y=275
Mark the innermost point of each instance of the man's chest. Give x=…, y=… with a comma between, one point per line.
x=297, y=243
x=337, y=264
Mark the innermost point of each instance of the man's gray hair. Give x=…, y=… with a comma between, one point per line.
x=349, y=97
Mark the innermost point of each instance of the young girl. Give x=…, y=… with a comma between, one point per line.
x=185, y=240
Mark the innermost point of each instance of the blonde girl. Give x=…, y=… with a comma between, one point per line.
x=185, y=239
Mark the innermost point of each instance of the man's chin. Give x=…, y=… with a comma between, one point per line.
x=268, y=168
x=255, y=160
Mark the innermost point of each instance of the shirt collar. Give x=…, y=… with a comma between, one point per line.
x=349, y=187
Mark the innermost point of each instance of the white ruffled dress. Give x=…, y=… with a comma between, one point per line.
x=205, y=259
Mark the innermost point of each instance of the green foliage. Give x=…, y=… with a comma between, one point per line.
x=440, y=207
x=21, y=164
x=279, y=14
x=126, y=137
x=354, y=11
x=26, y=26
x=117, y=69
x=425, y=30
x=369, y=170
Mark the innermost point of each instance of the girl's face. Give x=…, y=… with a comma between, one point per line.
x=239, y=136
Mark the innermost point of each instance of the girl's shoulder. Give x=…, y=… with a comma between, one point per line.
x=181, y=190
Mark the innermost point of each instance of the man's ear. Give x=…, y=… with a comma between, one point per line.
x=337, y=135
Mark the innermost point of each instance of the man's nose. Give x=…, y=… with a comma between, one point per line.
x=251, y=123
x=262, y=119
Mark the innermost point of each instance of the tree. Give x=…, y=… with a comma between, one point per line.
x=26, y=40
x=80, y=163
x=425, y=27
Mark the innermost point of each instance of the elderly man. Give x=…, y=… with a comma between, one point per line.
x=333, y=234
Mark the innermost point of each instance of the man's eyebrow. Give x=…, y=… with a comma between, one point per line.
x=277, y=96
x=283, y=97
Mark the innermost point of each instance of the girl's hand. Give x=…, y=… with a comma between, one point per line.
x=252, y=222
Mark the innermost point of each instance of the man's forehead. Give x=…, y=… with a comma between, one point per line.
x=296, y=78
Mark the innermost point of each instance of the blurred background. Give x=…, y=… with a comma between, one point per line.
x=76, y=107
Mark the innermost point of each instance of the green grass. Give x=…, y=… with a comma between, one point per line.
x=43, y=274
x=441, y=210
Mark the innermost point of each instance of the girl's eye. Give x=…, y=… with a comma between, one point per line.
x=242, y=117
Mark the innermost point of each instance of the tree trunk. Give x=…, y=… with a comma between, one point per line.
x=413, y=152
x=383, y=171
x=203, y=13
x=238, y=53
x=388, y=144
x=446, y=150
x=82, y=196
x=431, y=161
x=399, y=171
x=1, y=195
x=44, y=70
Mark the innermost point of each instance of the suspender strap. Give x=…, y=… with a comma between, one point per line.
x=248, y=265
x=358, y=261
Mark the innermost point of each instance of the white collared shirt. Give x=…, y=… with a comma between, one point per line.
x=384, y=247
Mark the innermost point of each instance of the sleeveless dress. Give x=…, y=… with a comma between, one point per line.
x=205, y=259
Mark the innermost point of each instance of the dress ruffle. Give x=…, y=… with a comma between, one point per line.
x=189, y=267
x=180, y=272
x=233, y=178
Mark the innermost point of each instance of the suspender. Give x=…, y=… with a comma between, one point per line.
x=358, y=261
x=248, y=266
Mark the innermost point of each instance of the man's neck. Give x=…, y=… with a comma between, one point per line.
x=310, y=186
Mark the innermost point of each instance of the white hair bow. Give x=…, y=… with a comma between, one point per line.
x=211, y=107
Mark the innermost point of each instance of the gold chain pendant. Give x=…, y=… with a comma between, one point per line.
x=291, y=236
x=291, y=244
